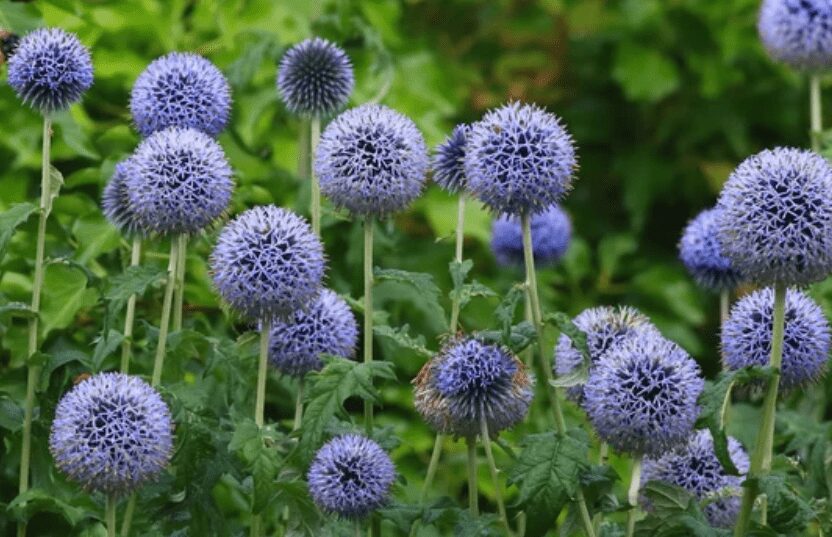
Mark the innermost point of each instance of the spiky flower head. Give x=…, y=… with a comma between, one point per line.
x=551, y=236
x=746, y=336
x=776, y=223
x=519, y=158
x=797, y=32
x=315, y=77
x=327, y=326
x=112, y=433
x=700, y=251
x=448, y=161
x=181, y=90
x=351, y=476
x=115, y=203
x=641, y=395
x=268, y=263
x=694, y=467
x=468, y=381
x=371, y=160
x=605, y=327
x=178, y=181
x=50, y=69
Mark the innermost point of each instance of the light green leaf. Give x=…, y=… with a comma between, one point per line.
x=10, y=220
x=65, y=293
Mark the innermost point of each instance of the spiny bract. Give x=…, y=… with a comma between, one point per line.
x=551, y=236
x=181, y=90
x=315, y=77
x=372, y=161
x=641, y=396
x=351, y=476
x=327, y=326
x=112, y=433
x=268, y=263
x=700, y=251
x=519, y=159
x=798, y=32
x=746, y=336
x=776, y=223
x=115, y=203
x=448, y=162
x=50, y=69
x=178, y=181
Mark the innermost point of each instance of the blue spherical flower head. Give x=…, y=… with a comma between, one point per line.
x=694, y=467
x=115, y=203
x=449, y=161
x=551, y=236
x=351, y=476
x=700, y=251
x=372, y=161
x=798, y=32
x=178, y=181
x=519, y=159
x=112, y=433
x=641, y=395
x=470, y=381
x=181, y=90
x=315, y=78
x=605, y=327
x=50, y=69
x=327, y=326
x=746, y=336
x=268, y=263
x=776, y=223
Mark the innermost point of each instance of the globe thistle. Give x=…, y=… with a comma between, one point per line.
x=551, y=236
x=372, y=161
x=641, y=395
x=178, y=181
x=315, y=78
x=112, y=433
x=701, y=253
x=605, y=327
x=181, y=90
x=50, y=69
x=519, y=158
x=694, y=467
x=470, y=380
x=798, y=32
x=776, y=223
x=746, y=336
x=268, y=263
x=449, y=161
x=115, y=203
x=327, y=326
x=351, y=476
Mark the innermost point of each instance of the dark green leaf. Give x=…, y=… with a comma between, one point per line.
x=133, y=281
x=504, y=314
x=401, y=337
x=10, y=220
x=426, y=290
x=17, y=309
x=463, y=292
x=11, y=415
x=788, y=513
x=36, y=500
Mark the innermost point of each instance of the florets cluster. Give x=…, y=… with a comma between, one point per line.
x=115, y=203
x=448, y=162
x=315, y=77
x=798, y=32
x=551, y=236
x=701, y=252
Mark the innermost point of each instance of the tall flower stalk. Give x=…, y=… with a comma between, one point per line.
x=632, y=494
x=368, y=313
x=179, y=291
x=315, y=209
x=130, y=311
x=164, y=320
x=815, y=111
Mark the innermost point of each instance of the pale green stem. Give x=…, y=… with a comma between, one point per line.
x=603, y=458
x=724, y=305
x=256, y=526
x=433, y=465
x=357, y=526
x=815, y=112
x=298, y=407
x=304, y=158
x=632, y=495
x=110, y=515
x=492, y=467
x=262, y=372
x=130, y=314
x=761, y=458
x=164, y=323
x=473, y=499
x=368, y=313
x=37, y=286
x=128, y=516
x=179, y=292
x=460, y=237
x=529, y=352
x=314, y=137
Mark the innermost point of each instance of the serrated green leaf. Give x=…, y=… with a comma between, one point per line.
x=11, y=415
x=504, y=313
x=37, y=500
x=65, y=292
x=401, y=337
x=56, y=181
x=427, y=293
x=521, y=335
x=17, y=309
x=10, y=220
x=135, y=280
x=788, y=513
x=484, y=524
x=463, y=292
x=104, y=347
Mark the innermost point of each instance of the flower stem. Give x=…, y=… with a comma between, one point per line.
x=298, y=407
x=815, y=112
x=724, y=305
x=110, y=515
x=492, y=467
x=128, y=516
x=262, y=372
x=473, y=500
x=460, y=237
x=433, y=465
x=603, y=458
x=537, y=319
x=33, y=373
x=761, y=458
x=632, y=495
x=161, y=345
x=130, y=314
x=527, y=313
x=179, y=291
x=315, y=209
x=368, y=313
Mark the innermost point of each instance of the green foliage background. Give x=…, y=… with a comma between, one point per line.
x=664, y=98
